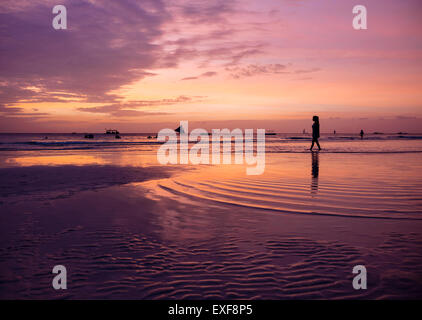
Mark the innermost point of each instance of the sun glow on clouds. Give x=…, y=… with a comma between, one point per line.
x=163, y=61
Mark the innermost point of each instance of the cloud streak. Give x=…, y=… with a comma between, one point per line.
x=203, y=75
x=129, y=109
x=256, y=69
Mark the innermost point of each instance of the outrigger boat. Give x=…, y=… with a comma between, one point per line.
x=270, y=133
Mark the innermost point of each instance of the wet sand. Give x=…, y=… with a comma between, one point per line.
x=128, y=232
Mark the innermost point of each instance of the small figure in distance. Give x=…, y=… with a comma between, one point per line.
x=315, y=132
x=361, y=134
x=334, y=132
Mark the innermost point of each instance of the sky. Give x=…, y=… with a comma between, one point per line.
x=141, y=66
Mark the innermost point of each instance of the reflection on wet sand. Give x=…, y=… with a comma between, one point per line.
x=212, y=232
x=315, y=172
x=58, y=160
x=76, y=158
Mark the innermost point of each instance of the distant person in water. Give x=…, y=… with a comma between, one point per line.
x=315, y=133
x=361, y=134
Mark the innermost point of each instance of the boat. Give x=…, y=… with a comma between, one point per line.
x=89, y=136
x=112, y=131
x=270, y=133
x=180, y=130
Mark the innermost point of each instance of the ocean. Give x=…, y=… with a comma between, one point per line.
x=278, y=143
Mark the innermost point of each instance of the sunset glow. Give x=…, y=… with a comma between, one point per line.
x=146, y=65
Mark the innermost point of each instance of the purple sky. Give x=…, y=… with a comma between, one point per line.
x=142, y=65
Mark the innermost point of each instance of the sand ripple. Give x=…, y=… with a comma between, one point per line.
x=113, y=262
x=375, y=201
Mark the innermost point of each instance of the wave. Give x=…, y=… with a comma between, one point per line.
x=410, y=137
x=281, y=143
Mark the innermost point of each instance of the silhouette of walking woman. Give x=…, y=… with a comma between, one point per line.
x=315, y=133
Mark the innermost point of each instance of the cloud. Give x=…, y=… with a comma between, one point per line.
x=406, y=117
x=201, y=38
x=19, y=112
x=200, y=12
x=203, y=75
x=230, y=54
x=256, y=69
x=135, y=113
x=251, y=70
x=302, y=71
x=129, y=109
x=107, y=45
x=210, y=33
x=216, y=54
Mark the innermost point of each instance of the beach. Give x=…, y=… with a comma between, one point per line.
x=127, y=227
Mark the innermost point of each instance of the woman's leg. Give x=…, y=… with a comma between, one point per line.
x=317, y=142
x=313, y=142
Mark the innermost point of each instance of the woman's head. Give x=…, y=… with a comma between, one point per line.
x=315, y=118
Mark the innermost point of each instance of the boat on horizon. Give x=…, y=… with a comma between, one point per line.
x=180, y=130
x=112, y=131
